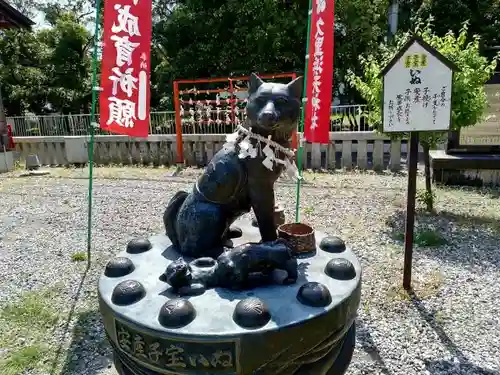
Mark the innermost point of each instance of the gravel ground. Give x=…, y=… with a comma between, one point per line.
x=450, y=325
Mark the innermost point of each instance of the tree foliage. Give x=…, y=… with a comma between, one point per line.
x=469, y=99
x=202, y=38
x=68, y=44
x=47, y=70
x=483, y=17
x=23, y=78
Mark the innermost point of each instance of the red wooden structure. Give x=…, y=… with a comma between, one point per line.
x=231, y=101
x=11, y=145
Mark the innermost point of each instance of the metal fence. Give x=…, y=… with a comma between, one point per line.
x=343, y=118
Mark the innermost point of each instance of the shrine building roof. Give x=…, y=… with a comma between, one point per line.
x=10, y=17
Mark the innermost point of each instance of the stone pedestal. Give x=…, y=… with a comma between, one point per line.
x=76, y=150
x=302, y=329
x=6, y=161
x=33, y=162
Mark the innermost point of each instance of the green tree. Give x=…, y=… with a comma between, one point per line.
x=68, y=65
x=191, y=38
x=363, y=28
x=469, y=99
x=47, y=70
x=22, y=72
x=483, y=17
x=203, y=38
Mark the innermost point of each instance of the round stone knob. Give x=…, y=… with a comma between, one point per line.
x=251, y=313
x=128, y=292
x=314, y=294
x=118, y=267
x=235, y=232
x=138, y=245
x=332, y=244
x=176, y=313
x=254, y=222
x=340, y=269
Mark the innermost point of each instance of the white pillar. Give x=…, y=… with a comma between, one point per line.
x=393, y=18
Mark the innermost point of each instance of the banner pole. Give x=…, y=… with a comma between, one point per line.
x=300, y=150
x=93, y=124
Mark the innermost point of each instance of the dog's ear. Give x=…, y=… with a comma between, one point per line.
x=296, y=86
x=254, y=83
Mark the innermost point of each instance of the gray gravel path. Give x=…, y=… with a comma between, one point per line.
x=450, y=326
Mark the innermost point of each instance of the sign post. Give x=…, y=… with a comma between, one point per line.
x=92, y=127
x=417, y=88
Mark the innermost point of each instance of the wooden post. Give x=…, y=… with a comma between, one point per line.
x=411, y=71
x=410, y=209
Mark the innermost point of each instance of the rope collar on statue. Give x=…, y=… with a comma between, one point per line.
x=270, y=151
x=265, y=140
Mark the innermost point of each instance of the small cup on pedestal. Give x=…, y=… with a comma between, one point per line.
x=300, y=236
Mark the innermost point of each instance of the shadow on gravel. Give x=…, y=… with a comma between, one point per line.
x=69, y=318
x=454, y=229
x=462, y=364
x=89, y=352
x=365, y=341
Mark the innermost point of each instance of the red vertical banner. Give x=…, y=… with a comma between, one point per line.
x=320, y=73
x=125, y=68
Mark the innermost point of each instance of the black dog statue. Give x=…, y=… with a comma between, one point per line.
x=241, y=176
x=243, y=267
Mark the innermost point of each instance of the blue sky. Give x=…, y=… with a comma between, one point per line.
x=39, y=18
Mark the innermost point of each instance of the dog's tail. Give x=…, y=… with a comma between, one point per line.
x=170, y=216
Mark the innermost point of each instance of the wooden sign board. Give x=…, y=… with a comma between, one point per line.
x=417, y=89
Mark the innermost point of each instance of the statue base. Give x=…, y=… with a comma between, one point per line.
x=306, y=328
x=6, y=161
